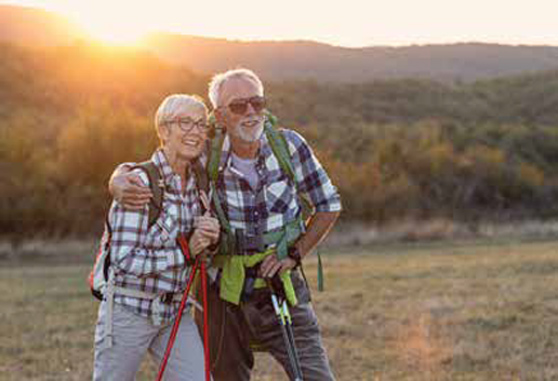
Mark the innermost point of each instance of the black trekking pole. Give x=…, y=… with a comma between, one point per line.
x=285, y=321
x=290, y=333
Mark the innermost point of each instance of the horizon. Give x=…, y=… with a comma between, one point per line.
x=110, y=27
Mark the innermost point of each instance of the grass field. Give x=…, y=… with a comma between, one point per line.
x=472, y=311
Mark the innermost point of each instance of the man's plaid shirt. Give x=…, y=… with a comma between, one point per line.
x=148, y=259
x=275, y=202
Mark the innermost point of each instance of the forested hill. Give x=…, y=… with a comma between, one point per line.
x=395, y=148
x=300, y=59
x=36, y=27
x=530, y=99
x=66, y=78
x=312, y=60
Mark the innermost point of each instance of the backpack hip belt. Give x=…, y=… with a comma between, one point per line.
x=235, y=242
x=234, y=262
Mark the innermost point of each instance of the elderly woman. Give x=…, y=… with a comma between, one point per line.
x=148, y=271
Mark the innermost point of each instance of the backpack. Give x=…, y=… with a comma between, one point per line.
x=280, y=149
x=99, y=274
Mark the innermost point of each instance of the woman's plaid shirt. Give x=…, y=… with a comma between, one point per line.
x=148, y=259
x=275, y=202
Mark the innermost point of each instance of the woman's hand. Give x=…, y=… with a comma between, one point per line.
x=128, y=189
x=206, y=233
x=198, y=243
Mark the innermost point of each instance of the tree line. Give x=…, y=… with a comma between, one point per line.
x=395, y=148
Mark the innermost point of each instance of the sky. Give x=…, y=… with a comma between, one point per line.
x=348, y=23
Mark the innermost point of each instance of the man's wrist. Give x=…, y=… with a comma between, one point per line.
x=120, y=170
x=295, y=255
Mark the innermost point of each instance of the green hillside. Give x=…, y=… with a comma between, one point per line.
x=395, y=148
x=298, y=60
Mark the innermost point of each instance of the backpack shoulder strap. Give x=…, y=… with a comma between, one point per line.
x=202, y=180
x=280, y=149
x=157, y=188
x=213, y=172
x=227, y=245
x=215, y=153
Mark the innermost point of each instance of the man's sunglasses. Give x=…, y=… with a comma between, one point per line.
x=240, y=106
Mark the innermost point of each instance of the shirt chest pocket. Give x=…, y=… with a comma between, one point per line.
x=164, y=231
x=279, y=194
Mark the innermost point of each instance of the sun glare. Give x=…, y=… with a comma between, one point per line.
x=115, y=35
x=117, y=23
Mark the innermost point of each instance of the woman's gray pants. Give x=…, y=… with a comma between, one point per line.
x=134, y=336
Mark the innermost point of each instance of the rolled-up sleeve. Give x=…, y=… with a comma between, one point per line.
x=129, y=250
x=311, y=177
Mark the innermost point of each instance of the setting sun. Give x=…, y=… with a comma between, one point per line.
x=113, y=34
x=351, y=23
x=120, y=23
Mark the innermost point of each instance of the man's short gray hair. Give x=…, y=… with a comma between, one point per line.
x=217, y=82
x=174, y=105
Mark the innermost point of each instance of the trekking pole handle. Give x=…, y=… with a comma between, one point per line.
x=274, y=299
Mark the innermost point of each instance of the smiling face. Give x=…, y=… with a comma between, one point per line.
x=239, y=103
x=184, y=135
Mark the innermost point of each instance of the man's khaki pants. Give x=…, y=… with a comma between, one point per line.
x=134, y=336
x=233, y=328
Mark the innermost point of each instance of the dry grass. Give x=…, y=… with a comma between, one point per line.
x=412, y=230
x=477, y=311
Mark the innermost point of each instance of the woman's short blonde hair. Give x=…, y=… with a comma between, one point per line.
x=176, y=104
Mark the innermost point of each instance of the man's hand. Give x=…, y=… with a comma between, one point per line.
x=128, y=189
x=317, y=228
x=271, y=266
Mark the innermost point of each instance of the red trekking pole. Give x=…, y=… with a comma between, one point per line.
x=183, y=301
x=205, y=321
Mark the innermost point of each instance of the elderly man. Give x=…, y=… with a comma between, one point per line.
x=259, y=200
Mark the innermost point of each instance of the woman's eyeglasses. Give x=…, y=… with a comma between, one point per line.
x=240, y=106
x=187, y=124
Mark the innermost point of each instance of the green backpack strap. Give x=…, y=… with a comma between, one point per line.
x=280, y=149
x=202, y=180
x=227, y=245
x=201, y=176
x=157, y=188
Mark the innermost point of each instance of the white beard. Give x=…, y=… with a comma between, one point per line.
x=249, y=134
